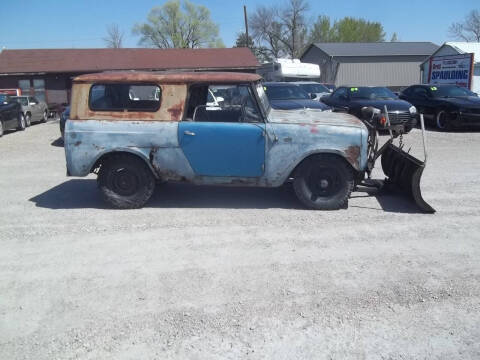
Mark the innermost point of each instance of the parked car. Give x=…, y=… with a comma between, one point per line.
x=447, y=106
x=312, y=87
x=330, y=87
x=131, y=143
x=63, y=119
x=288, y=96
x=352, y=99
x=11, y=116
x=32, y=109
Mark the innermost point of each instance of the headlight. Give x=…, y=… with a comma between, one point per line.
x=413, y=110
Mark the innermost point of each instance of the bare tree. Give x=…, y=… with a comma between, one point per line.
x=114, y=37
x=295, y=28
x=280, y=32
x=469, y=29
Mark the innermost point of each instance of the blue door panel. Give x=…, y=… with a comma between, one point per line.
x=223, y=149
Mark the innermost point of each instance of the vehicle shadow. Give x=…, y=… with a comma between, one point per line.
x=58, y=142
x=388, y=201
x=83, y=193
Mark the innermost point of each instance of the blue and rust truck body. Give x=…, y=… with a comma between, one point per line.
x=171, y=134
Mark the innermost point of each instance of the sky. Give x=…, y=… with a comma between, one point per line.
x=82, y=23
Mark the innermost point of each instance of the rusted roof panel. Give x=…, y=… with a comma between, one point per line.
x=92, y=60
x=168, y=78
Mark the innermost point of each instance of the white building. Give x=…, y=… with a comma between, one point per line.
x=457, y=48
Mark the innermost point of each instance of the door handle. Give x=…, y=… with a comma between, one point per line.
x=189, y=133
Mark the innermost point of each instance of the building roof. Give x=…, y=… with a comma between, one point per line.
x=377, y=48
x=169, y=78
x=467, y=48
x=91, y=60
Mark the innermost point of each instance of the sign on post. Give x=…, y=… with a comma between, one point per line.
x=451, y=70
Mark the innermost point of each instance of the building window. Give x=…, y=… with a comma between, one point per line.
x=124, y=97
x=39, y=89
x=24, y=85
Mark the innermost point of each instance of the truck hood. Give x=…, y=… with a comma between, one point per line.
x=314, y=117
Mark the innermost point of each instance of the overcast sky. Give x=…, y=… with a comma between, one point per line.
x=82, y=23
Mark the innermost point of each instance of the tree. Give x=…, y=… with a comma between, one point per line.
x=347, y=29
x=394, y=37
x=280, y=32
x=242, y=40
x=178, y=24
x=469, y=29
x=114, y=37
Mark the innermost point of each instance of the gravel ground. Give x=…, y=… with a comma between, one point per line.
x=224, y=273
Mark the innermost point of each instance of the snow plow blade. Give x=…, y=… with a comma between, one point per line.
x=403, y=173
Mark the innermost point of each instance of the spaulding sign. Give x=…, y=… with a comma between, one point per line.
x=452, y=70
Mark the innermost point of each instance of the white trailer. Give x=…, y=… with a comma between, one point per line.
x=289, y=70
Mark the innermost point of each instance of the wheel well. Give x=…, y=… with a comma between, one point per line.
x=106, y=157
x=323, y=155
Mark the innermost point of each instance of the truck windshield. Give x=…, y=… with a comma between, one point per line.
x=263, y=98
x=3, y=98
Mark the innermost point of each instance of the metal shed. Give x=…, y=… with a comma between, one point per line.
x=392, y=64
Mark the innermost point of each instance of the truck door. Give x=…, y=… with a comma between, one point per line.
x=226, y=140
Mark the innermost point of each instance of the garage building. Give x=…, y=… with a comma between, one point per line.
x=47, y=73
x=392, y=64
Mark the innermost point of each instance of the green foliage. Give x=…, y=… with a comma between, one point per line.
x=347, y=29
x=178, y=24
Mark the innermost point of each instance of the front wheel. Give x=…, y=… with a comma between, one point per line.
x=21, y=122
x=324, y=182
x=28, y=119
x=442, y=121
x=45, y=117
x=125, y=182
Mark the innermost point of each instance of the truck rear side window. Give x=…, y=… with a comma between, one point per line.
x=124, y=97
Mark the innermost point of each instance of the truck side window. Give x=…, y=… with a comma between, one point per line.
x=124, y=97
x=222, y=103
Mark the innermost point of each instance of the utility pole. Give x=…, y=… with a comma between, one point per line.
x=246, y=24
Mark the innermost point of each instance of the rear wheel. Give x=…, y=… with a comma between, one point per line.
x=441, y=120
x=324, y=182
x=125, y=182
x=21, y=122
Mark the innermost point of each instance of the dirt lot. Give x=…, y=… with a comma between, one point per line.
x=221, y=273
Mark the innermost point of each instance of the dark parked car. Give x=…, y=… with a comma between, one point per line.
x=448, y=106
x=63, y=119
x=353, y=99
x=11, y=116
x=288, y=96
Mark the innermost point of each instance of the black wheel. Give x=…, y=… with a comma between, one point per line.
x=125, y=182
x=21, y=122
x=441, y=120
x=28, y=119
x=45, y=117
x=324, y=182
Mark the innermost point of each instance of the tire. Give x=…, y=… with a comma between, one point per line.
x=441, y=120
x=45, y=117
x=28, y=119
x=21, y=122
x=324, y=182
x=125, y=182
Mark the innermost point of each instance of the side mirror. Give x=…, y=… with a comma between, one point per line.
x=220, y=100
x=313, y=96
